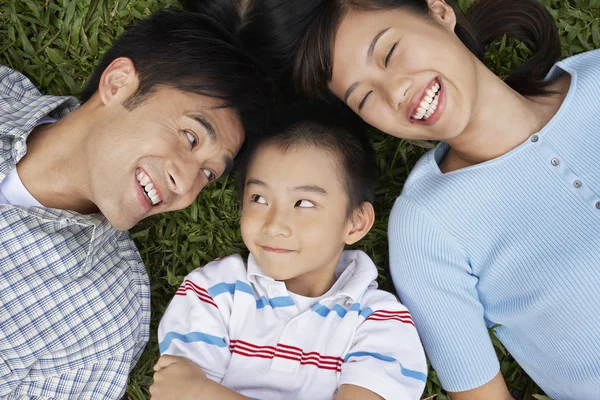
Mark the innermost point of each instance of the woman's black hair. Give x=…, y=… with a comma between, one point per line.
x=299, y=36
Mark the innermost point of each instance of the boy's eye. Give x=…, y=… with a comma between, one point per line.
x=304, y=204
x=256, y=198
x=191, y=138
x=209, y=174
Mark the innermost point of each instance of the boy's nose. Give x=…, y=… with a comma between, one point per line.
x=276, y=225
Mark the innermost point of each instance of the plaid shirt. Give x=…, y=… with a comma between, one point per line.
x=74, y=293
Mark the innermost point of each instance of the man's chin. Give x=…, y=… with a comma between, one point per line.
x=120, y=222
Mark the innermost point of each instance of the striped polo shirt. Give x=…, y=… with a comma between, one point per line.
x=247, y=332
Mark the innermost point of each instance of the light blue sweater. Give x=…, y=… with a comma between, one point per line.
x=513, y=241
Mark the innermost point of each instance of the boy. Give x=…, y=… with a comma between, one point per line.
x=302, y=318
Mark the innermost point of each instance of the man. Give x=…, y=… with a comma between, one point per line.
x=162, y=116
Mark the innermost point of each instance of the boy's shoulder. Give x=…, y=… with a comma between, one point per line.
x=225, y=269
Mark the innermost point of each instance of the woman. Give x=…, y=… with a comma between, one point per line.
x=500, y=223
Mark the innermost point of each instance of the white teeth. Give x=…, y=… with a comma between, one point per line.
x=148, y=187
x=429, y=103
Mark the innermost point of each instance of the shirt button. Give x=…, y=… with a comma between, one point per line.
x=555, y=161
x=535, y=138
x=598, y=205
x=577, y=184
x=18, y=145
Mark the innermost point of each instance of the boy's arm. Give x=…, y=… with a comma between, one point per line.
x=196, y=323
x=177, y=378
x=386, y=356
x=352, y=392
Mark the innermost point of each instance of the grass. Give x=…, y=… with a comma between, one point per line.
x=56, y=44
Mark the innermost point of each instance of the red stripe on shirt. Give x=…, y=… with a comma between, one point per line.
x=201, y=293
x=384, y=315
x=287, y=352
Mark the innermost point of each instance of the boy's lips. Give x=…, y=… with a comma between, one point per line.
x=276, y=250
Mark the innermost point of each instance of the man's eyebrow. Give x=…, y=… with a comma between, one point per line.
x=210, y=130
x=369, y=59
x=228, y=165
x=310, y=188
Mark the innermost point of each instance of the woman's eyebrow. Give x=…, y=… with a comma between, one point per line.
x=369, y=60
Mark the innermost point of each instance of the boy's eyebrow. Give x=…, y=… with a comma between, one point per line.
x=302, y=188
x=254, y=181
x=310, y=188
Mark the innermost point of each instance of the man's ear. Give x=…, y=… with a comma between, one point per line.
x=118, y=81
x=361, y=221
x=442, y=13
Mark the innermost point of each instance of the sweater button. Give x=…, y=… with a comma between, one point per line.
x=555, y=161
x=598, y=205
x=577, y=184
x=535, y=138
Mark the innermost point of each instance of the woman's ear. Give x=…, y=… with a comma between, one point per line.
x=361, y=221
x=442, y=13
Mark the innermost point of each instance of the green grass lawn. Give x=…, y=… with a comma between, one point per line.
x=56, y=44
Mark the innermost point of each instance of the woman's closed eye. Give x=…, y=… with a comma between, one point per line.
x=304, y=204
x=389, y=55
x=363, y=100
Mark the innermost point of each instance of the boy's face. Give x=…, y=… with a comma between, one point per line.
x=294, y=217
x=159, y=155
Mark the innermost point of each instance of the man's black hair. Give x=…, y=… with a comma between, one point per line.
x=194, y=52
x=334, y=130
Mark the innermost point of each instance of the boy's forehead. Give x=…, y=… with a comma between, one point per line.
x=299, y=165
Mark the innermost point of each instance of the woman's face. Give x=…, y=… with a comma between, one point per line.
x=407, y=75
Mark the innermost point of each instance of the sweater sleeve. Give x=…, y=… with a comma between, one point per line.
x=434, y=280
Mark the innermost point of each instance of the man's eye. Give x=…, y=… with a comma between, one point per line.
x=304, y=204
x=191, y=138
x=209, y=174
x=256, y=198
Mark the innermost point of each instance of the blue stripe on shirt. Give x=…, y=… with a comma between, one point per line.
x=324, y=311
x=190, y=338
x=239, y=286
x=409, y=373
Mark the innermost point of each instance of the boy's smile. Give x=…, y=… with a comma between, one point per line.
x=294, y=217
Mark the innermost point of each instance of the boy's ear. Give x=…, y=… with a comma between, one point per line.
x=118, y=81
x=361, y=221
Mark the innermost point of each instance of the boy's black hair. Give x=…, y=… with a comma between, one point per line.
x=194, y=52
x=332, y=129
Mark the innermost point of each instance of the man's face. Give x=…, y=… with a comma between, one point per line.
x=157, y=156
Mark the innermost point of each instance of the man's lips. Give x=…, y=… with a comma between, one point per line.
x=142, y=199
x=276, y=250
